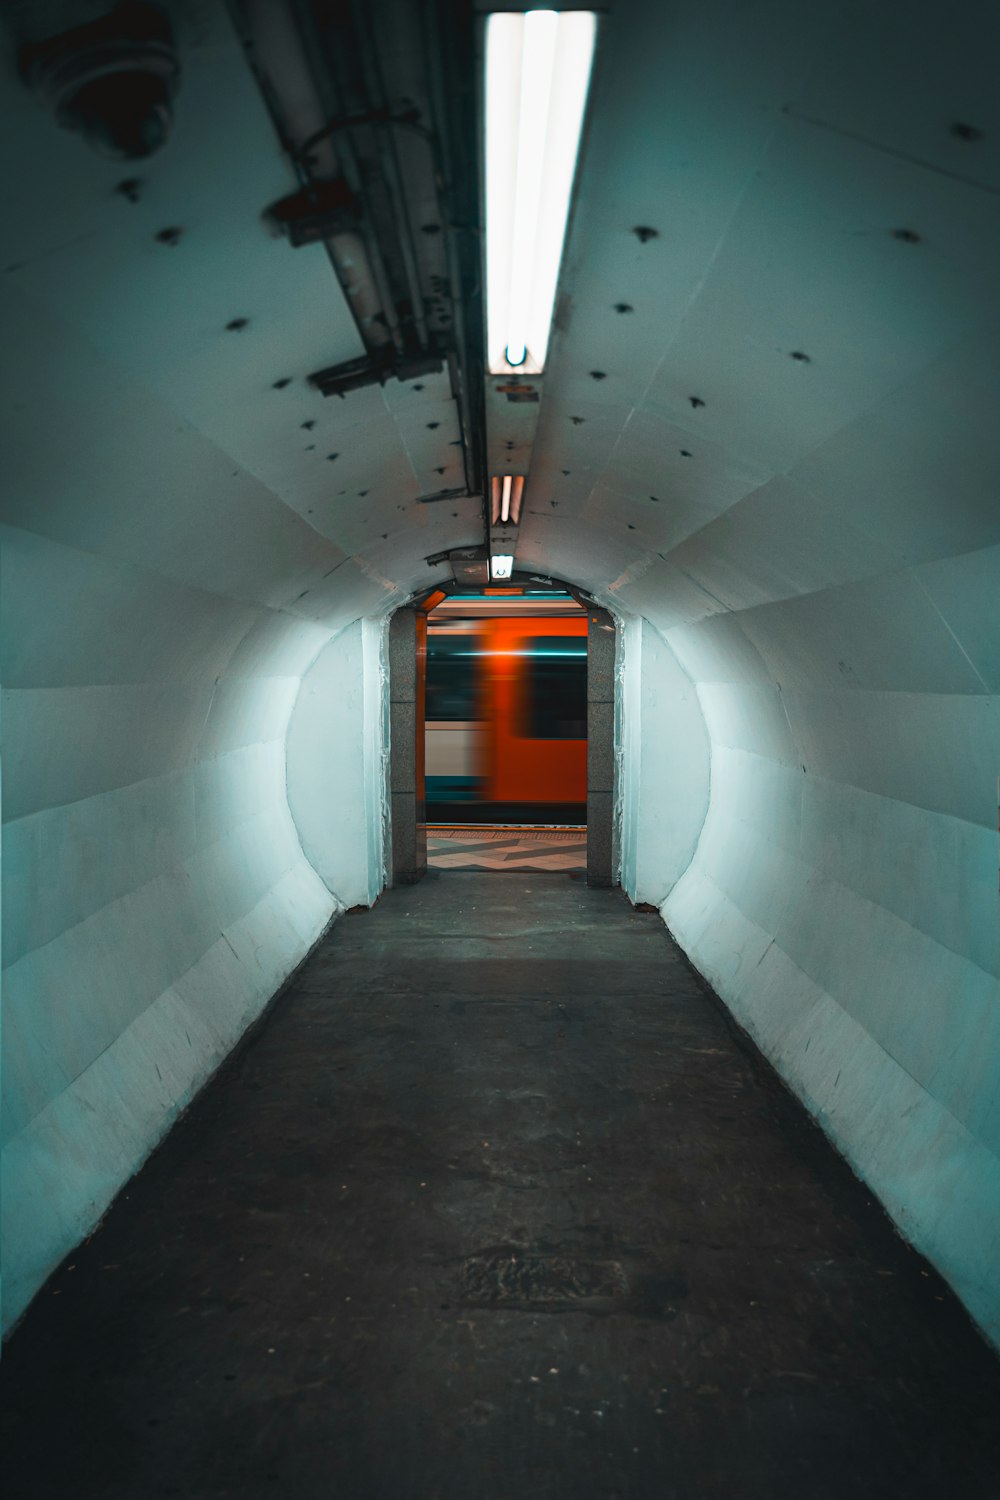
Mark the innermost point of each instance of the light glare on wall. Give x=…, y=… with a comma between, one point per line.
x=537, y=74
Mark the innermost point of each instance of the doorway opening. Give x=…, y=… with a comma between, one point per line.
x=505, y=731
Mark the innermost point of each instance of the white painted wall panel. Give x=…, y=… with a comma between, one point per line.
x=147, y=828
x=843, y=894
x=335, y=779
x=664, y=766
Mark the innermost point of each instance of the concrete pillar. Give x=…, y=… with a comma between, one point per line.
x=600, y=746
x=407, y=681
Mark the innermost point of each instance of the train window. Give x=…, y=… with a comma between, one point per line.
x=555, y=699
x=451, y=678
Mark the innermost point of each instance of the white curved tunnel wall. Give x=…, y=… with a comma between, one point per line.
x=337, y=759
x=155, y=892
x=843, y=897
x=183, y=535
x=663, y=764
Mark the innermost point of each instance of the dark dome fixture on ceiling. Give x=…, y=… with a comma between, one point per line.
x=112, y=80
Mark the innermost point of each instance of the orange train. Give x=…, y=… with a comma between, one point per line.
x=506, y=720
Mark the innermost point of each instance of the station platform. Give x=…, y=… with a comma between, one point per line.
x=468, y=847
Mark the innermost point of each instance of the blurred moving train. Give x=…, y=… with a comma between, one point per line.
x=506, y=720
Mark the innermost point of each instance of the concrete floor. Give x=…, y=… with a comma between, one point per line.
x=497, y=1205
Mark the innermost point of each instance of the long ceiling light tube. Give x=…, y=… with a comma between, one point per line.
x=506, y=496
x=537, y=75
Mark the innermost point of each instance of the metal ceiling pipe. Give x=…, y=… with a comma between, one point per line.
x=273, y=41
x=388, y=155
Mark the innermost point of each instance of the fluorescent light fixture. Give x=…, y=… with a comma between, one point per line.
x=537, y=74
x=506, y=494
x=501, y=566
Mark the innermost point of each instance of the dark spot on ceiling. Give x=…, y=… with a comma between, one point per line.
x=431, y=426
x=455, y=443
x=430, y=228
x=802, y=358
x=598, y=375
x=417, y=388
x=309, y=425
x=385, y=536
x=578, y=421
x=624, y=307
x=630, y=526
x=362, y=494
x=696, y=401
x=643, y=232
x=169, y=236
x=130, y=188
x=508, y=443
x=236, y=324
x=655, y=499
x=331, y=456
x=279, y=385
x=566, y=472
x=686, y=453
x=908, y=236
x=309, y=447
x=439, y=471
x=962, y=132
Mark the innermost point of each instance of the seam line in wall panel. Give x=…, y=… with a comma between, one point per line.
x=155, y=1000
x=760, y=1039
x=944, y=621
x=866, y=791
x=817, y=877
x=873, y=145
x=185, y=770
x=179, y=868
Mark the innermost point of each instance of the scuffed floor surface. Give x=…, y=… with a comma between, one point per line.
x=507, y=849
x=496, y=1205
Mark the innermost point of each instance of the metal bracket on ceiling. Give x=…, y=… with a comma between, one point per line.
x=470, y=566
x=458, y=494
x=316, y=211
x=373, y=369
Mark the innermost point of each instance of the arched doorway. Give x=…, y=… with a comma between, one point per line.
x=502, y=729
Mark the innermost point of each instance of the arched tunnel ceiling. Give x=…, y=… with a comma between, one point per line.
x=687, y=460
x=751, y=139
x=230, y=472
